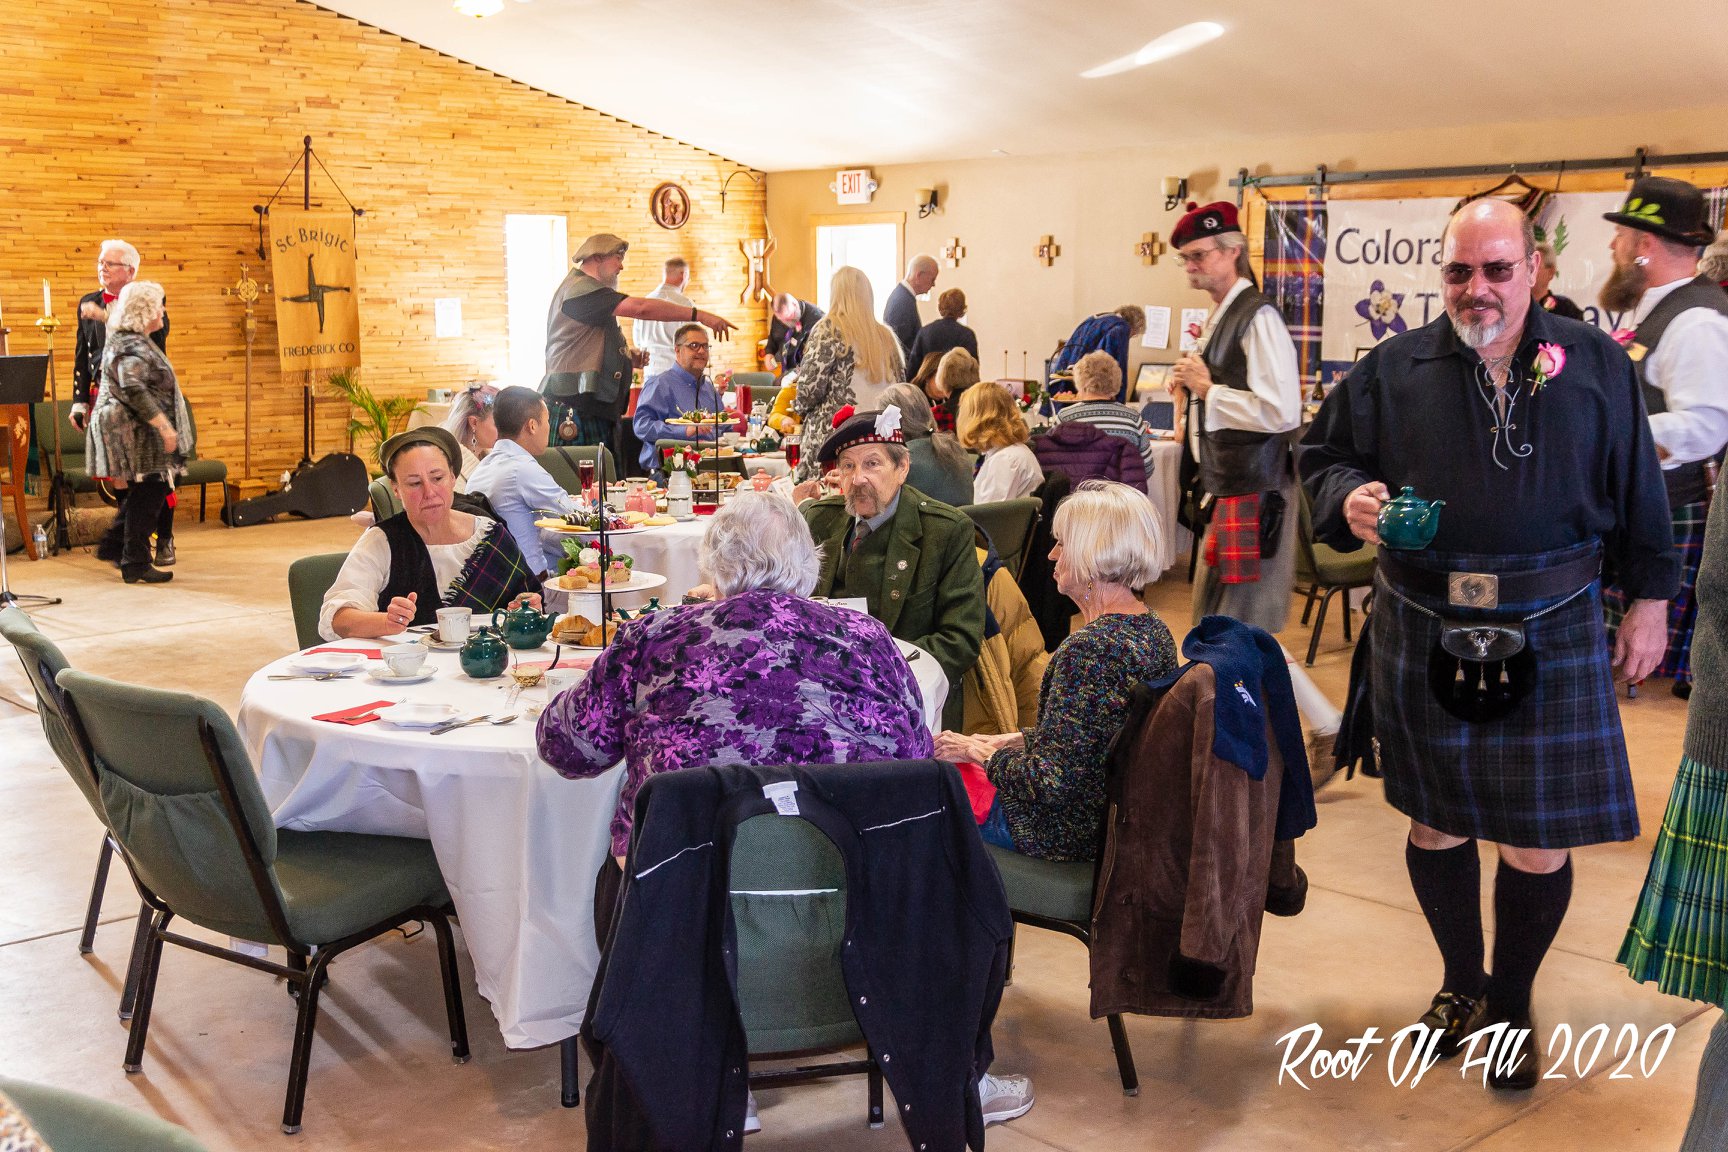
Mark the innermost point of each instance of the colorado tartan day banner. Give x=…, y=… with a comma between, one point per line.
x=1347, y=274
x=312, y=269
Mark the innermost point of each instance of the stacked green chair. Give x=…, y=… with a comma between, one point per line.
x=308, y=579
x=190, y=818
x=1009, y=525
x=1326, y=572
x=201, y=470
x=43, y=661
x=72, y=1122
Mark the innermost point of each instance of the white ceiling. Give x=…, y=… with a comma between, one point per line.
x=788, y=84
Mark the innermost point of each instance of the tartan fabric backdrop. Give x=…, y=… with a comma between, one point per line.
x=1295, y=259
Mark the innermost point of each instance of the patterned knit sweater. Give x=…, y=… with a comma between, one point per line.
x=1052, y=791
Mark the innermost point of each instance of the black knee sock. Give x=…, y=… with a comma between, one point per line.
x=1448, y=884
x=1528, y=908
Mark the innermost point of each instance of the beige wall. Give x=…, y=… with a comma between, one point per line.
x=1097, y=206
x=165, y=125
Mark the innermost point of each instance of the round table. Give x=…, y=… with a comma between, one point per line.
x=519, y=845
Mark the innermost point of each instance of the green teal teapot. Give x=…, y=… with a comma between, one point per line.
x=523, y=627
x=1409, y=522
x=483, y=656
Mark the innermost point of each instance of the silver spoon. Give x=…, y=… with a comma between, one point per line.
x=506, y=719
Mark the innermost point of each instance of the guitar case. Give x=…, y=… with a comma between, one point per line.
x=335, y=485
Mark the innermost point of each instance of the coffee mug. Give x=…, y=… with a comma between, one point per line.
x=453, y=624
x=558, y=679
x=404, y=659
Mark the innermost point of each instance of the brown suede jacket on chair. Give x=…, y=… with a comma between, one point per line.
x=1188, y=867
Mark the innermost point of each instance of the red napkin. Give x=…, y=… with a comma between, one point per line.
x=360, y=714
x=979, y=790
x=374, y=653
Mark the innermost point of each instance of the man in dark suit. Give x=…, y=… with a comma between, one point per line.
x=116, y=267
x=790, y=331
x=912, y=558
x=900, y=310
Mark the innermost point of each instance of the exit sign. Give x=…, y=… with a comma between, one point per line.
x=853, y=186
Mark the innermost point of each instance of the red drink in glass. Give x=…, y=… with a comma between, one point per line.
x=585, y=477
x=791, y=447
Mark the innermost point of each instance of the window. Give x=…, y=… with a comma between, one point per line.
x=536, y=257
x=874, y=249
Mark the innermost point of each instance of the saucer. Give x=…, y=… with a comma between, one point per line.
x=385, y=676
x=438, y=645
x=327, y=662
x=416, y=715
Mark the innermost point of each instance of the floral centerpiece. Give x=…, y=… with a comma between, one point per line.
x=680, y=460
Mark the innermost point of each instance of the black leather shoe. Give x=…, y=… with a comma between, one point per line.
x=1682, y=691
x=144, y=574
x=1509, y=1072
x=164, y=553
x=1454, y=1016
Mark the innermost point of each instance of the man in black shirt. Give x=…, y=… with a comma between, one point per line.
x=588, y=362
x=1490, y=682
x=793, y=320
x=116, y=266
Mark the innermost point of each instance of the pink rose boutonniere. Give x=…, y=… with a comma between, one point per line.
x=1550, y=362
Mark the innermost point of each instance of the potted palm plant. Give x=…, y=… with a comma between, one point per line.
x=374, y=418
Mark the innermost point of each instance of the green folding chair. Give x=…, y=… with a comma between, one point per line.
x=190, y=818
x=1009, y=525
x=308, y=579
x=73, y=1122
x=1325, y=572
x=561, y=461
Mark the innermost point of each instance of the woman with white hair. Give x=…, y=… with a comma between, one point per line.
x=850, y=358
x=139, y=435
x=760, y=675
x=1050, y=779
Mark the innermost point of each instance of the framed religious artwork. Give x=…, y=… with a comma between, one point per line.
x=669, y=205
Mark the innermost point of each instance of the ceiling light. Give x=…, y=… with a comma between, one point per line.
x=479, y=7
x=1183, y=39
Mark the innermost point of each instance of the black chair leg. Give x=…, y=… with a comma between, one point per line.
x=452, y=988
x=299, y=1065
x=1319, y=627
x=93, y=911
x=1348, y=612
x=135, y=962
x=1124, y=1056
x=569, y=1049
x=203, y=501
x=875, y=1077
x=146, y=993
x=1308, y=605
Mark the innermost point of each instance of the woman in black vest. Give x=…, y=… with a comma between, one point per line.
x=426, y=557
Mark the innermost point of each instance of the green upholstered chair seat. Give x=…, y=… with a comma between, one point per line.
x=71, y=1122
x=384, y=502
x=1334, y=567
x=1059, y=891
x=335, y=884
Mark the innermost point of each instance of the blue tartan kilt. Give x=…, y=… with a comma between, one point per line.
x=1554, y=773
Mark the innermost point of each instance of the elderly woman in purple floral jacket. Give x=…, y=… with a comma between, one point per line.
x=761, y=675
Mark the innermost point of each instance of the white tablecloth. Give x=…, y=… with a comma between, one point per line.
x=1167, y=495
x=518, y=844
x=669, y=551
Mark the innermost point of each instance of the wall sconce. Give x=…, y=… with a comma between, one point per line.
x=1175, y=191
x=926, y=202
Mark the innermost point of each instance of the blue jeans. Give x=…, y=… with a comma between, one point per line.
x=995, y=827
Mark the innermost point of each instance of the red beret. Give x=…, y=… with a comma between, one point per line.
x=1213, y=220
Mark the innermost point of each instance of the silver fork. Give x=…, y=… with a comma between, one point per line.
x=452, y=725
x=312, y=676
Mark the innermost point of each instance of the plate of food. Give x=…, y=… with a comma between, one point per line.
x=702, y=416
x=582, y=633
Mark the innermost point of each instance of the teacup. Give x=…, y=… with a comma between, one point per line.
x=453, y=624
x=404, y=659
x=559, y=679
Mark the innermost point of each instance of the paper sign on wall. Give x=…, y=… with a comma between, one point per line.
x=1157, y=334
x=447, y=317
x=1193, y=323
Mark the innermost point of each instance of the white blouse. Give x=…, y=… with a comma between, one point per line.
x=1008, y=473
x=367, y=570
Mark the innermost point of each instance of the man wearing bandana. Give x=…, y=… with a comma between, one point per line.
x=1677, y=337
x=116, y=267
x=1488, y=675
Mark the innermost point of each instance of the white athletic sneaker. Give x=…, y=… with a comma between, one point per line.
x=752, y=1122
x=1004, y=1097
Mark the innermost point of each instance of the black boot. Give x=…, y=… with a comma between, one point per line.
x=143, y=505
x=112, y=542
x=165, y=534
x=144, y=574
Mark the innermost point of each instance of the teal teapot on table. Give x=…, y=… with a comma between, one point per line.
x=523, y=627
x=483, y=656
x=1409, y=522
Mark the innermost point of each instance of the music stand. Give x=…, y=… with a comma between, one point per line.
x=22, y=381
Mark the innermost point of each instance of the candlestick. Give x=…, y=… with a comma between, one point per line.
x=47, y=299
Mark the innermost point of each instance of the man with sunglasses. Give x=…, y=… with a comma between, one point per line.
x=116, y=266
x=1491, y=690
x=1676, y=331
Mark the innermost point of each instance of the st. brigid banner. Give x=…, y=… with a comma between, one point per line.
x=317, y=308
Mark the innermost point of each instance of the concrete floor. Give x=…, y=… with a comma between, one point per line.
x=1359, y=957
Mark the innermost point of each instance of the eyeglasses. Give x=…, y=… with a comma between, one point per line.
x=703, y=346
x=1495, y=271
x=112, y=264
x=1194, y=256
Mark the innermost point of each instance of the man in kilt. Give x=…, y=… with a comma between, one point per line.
x=1676, y=332
x=1489, y=673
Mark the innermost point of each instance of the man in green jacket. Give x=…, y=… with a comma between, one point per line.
x=910, y=557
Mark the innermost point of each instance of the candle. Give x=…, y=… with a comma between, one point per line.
x=47, y=300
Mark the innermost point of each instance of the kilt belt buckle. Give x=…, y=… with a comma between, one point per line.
x=1472, y=590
